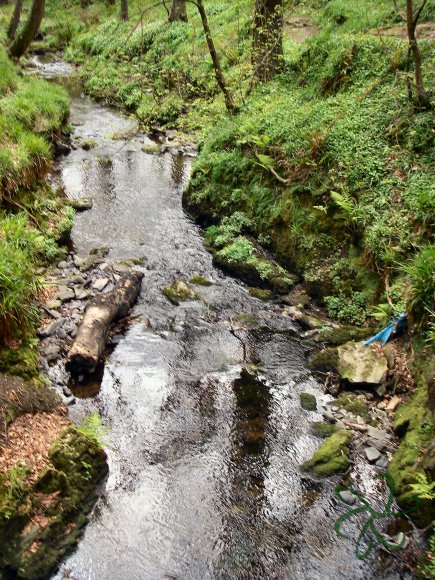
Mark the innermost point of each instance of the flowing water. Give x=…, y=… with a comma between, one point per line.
x=206, y=432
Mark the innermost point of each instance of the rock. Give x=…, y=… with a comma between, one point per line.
x=382, y=462
x=53, y=313
x=297, y=299
x=360, y=364
x=382, y=405
x=329, y=417
x=53, y=304
x=52, y=352
x=61, y=333
x=381, y=390
x=100, y=251
x=81, y=293
x=376, y=443
x=81, y=204
x=372, y=454
x=179, y=291
x=332, y=456
x=51, y=328
x=100, y=284
x=62, y=265
x=61, y=148
x=377, y=433
x=308, y=402
x=109, y=288
x=394, y=402
x=322, y=429
x=389, y=355
x=347, y=497
x=65, y=295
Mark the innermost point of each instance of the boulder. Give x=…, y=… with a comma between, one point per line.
x=360, y=364
x=308, y=402
x=332, y=456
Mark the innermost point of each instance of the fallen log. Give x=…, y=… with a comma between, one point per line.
x=88, y=347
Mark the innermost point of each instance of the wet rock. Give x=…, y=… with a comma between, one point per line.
x=260, y=293
x=322, y=429
x=51, y=328
x=308, y=402
x=329, y=417
x=347, y=497
x=99, y=251
x=372, y=454
x=332, y=456
x=65, y=295
x=61, y=148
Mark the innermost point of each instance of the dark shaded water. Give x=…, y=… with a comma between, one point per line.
x=206, y=430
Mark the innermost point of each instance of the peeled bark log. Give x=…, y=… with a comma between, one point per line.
x=88, y=347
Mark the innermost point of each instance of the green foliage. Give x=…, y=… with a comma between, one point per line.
x=422, y=488
x=421, y=273
x=13, y=490
x=93, y=428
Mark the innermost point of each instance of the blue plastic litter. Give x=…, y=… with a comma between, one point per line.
x=398, y=325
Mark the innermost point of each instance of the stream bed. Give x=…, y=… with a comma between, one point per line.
x=205, y=429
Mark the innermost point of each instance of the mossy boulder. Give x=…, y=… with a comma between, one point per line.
x=324, y=360
x=260, y=293
x=323, y=429
x=336, y=336
x=353, y=362
x=179, y=291
x=332, y=456
x=200, y=281
x=308, y=402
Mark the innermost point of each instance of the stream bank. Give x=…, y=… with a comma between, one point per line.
x=202, y=398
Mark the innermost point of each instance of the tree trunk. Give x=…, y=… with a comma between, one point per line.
x=229, y=103
x=178, y=11
x=124, y=10
x=15, y=20
x=28, y=33
x=423, y=99
x=267, y=51
x=88, y=347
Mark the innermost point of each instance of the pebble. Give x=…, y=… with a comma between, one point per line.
x=100, y=284
x=52, y=352
x=51, y=328
x=348, y=497
x=65, y=295
x=372, y=454
x=81, y=293
x=382, y=462
x=62, y=265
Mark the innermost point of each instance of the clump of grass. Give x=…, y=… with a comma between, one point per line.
x=421, y=275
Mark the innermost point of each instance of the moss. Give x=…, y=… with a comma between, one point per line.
x=22, y=361
x=151, y=148
x=338, y=336
x=332, y=456
x=89, y=144
x=178, y=291
x=353, y=404
x=323, y=429
x=260, y=293
x=308, y=402
x=414, y=421
x=324, y=360
x=200, y=281
x=77, y=466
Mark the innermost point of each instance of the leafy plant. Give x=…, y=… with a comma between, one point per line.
x=93, y=428
x=422, y=488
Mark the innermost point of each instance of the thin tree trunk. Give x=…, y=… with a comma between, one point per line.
x=178, y=11
x=124, y=10
x=411, y=24
x=28, y=33
x=229, y=103
x=15, y=20
x=267, y=33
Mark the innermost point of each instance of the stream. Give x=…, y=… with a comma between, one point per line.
x=205, y=429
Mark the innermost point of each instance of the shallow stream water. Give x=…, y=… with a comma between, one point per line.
x=206, y=432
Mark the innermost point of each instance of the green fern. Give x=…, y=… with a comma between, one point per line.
x=93, y=428
x=423, y=489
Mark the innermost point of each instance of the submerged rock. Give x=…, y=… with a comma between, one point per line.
x=308, y=402
x=332, y=456
x=323, y=429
